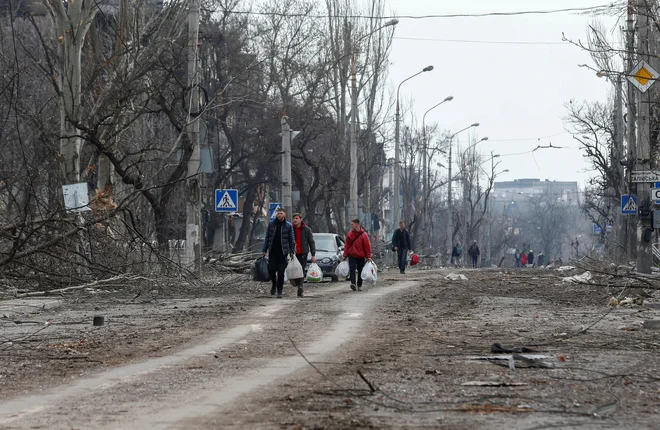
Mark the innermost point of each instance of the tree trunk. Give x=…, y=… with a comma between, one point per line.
x=247, y=218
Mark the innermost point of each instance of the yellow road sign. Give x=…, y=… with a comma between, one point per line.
x=643, y=76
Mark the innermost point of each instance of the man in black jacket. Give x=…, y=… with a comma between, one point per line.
x=401, y=243
x=304, y=245
x=474, y=253
x=278, y=244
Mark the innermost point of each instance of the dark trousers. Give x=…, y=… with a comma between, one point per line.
x=354, y=264
x=276, y=268
x=402, y=254
x=302, y=259
x=474, y=259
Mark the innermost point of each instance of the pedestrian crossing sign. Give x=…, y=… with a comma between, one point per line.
x=628, y=204
x=272, y=208
x=226, y=200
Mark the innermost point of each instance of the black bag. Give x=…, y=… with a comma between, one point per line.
x=260, y=273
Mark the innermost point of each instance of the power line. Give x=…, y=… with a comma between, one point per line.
x=527, y=138
x=594, y=9
x=490, y=42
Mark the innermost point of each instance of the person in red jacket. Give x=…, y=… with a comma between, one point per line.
x=358, y=250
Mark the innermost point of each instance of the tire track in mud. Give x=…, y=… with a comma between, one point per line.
x=173, y=391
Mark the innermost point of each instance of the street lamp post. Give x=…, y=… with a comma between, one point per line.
x=469, y=211
x=425, y=174
x=354, y=126
x=450, y=221
x=396, y=208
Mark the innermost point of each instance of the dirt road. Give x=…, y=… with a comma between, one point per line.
x=407, y=353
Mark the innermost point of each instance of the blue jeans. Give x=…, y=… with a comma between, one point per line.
x=403, y=256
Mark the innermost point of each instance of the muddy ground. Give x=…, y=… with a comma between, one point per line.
x=417, y=348
x=415, y=361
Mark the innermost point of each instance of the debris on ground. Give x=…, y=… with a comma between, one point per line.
x=490, y=408
x=565, y=268
x=652, y=324
x=604, y=410
x=579, y=279
x=456, y=277
x=498, y=349
x=517, y=360
x=493, y=384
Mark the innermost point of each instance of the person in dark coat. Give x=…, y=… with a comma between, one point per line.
x=518, y=257
x=278, y=244
x=456, y=253
x=304, y=245
x=402, y=244
x=474, y=253
x=540, y=260
x=530, y=258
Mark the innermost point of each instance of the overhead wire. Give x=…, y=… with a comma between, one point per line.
x=488, y=42
x=594, y=9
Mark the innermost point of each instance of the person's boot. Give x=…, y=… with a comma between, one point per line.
x=279, y=293
x=359, y=287
x=300, y=291
x=353, y=287
x=272, y=290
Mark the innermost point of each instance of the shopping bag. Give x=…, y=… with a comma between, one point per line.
x=314, y=273
x=414, y=260
x=294, y=269
x=260, y=273
x=370, y=272
x=342, y=270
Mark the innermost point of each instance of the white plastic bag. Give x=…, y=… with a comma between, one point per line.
x=370, y=273
x=314, y=273
x=342, y=270
x=294, y=270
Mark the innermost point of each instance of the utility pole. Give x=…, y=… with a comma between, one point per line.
x=631, y=108
x=396, y=207
x=193, y=252
x=450, y=215
x=354, y=134
x=643, y=161
x=619, y=219
x=286, y=167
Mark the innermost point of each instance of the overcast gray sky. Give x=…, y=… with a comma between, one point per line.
x=517, y=92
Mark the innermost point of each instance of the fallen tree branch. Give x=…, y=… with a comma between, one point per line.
x=79, y=287
x=366, y=381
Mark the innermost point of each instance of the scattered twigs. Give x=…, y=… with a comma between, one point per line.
x=94, y=284
x=372, y=388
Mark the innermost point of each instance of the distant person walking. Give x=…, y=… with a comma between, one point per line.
x=456, y=253
x=517, y=256
x=278, y=244
x=523, y=259
x=540, y=260
x=474, y=253
x=530, y=258
x=401, y=243
x=304, y=245
x=358, y=250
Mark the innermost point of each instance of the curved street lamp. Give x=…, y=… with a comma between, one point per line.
x=425, y=173
x=450, y=221
x=395, y=210
x=354, y=126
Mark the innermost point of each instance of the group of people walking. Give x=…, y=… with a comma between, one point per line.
x=528, y=259
x=285, y=240
x=473, y=252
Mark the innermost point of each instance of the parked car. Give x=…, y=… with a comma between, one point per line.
x=329, y=251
